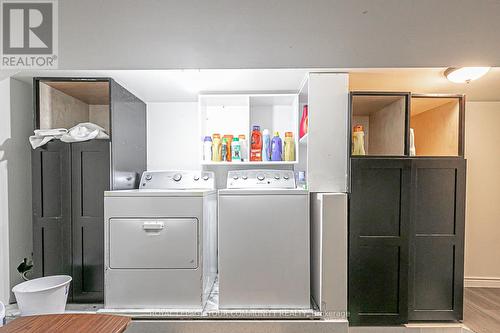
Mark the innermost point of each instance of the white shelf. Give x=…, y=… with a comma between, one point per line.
x=303, y=140
x=249, y=163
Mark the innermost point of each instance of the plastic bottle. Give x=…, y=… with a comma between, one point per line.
x=243, y=147
x=207, y=148
x=276, y=147
x=358, y=140
x=304, y=122
x=256, y=147
x=216, y=148
x=229, y=139
x=224, y=148
x=236, y=150
x=301, y=180
x=289, y=151
x=266, y=145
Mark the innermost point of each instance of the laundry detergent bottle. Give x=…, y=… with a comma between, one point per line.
x=266, y=145
x=256, y=146
x=276, y=147
x=289, y=151
x=216, y=148
x=236, y=150
x=207, y=149
x=243, y=147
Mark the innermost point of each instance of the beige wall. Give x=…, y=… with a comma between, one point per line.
x=482, y=150
x=387, y=129
x=436, y=130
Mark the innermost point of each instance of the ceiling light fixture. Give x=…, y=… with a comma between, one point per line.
x=465, y=74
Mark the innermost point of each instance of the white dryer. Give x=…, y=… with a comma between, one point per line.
x=161, y=242
x=263, y=241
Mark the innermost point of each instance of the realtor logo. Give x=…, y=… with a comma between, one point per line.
x=29, y=34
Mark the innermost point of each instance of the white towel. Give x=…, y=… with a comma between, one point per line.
x=51, y=132
x=84, y=132
x=78, y=133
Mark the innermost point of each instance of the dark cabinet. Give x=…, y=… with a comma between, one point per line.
x=379, y=221
x=89, y=180
x=406, y=240
x=51, y=174
x=437, y=239
x=69, y=181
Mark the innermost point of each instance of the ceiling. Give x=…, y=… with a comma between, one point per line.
x=185, y=85
x=426, y=80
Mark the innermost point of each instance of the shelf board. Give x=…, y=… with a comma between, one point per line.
x=303, y=140
x=249, y=163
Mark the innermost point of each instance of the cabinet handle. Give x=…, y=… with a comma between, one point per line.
x=157, y=226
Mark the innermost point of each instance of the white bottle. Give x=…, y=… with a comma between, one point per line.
x=243, y=147
x=207, y=149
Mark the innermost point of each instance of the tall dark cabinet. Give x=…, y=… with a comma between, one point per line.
x=406, y=213
x=69, y=179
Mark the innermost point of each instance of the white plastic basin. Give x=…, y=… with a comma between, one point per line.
x=42, y=296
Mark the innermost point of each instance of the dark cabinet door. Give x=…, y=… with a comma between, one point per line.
x=90, y=178
x=51, y=184
x=437, y=239
x=378, y=241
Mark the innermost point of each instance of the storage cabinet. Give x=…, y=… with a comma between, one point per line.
x=406, y=240
x=69, y=179
x=437, y=239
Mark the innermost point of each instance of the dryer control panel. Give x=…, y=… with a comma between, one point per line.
x=177, y=180
x=279, y=179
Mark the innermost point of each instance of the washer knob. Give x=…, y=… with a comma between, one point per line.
x=196, y=177
x=277, y=177
x=177, y=177
x=244, y=177
x=261, y=177
x=149, y=177
x=205, y=177
x=235, y=177
x=285, y=177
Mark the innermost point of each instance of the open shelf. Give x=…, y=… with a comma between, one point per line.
x=383, y=118
x=435, y=122
x=66, y=103
x=236, y=114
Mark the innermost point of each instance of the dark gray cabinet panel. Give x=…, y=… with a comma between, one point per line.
x=128, y=126
x=51, y=209
x=378, y=241
x=406, y=239
x=437, y=239
x=90, y=178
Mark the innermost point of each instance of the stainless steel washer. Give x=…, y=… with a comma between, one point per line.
x=263, y=241
x=160, y=242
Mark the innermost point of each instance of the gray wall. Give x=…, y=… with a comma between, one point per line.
x=122, y=34
x=15, y=181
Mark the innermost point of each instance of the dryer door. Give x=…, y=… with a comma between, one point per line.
x=153, y=243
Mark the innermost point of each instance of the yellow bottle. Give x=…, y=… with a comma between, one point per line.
x=216, y=148
x=289, y=147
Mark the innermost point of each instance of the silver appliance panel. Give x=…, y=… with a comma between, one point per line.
x=261, y=178
x=177, y=180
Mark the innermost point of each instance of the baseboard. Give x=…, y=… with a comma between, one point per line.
x=482, y=282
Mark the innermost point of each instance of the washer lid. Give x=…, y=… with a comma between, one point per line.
x=159, y=193
x=263, y=191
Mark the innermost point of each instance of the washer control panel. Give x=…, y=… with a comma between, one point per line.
x=261, y=179
x=177, y=180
